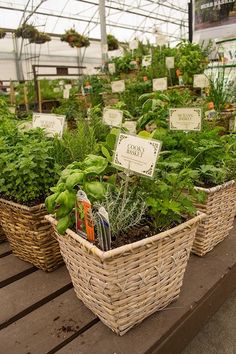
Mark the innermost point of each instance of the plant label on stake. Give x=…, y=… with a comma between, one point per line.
x=159, y=84
x=112, y=68
x=170, y=62
x=112, y=117
x=52, y=123
x=147, y=60
x=186, y=119
x=200, y=81
x=130, y=125
x=118, y=86
x=68, y=86
x=136, y=154
x=66, y=94
x=133, y=44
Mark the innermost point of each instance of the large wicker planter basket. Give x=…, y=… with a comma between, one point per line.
x=220, y=208
x=30, y=235
x=125, y=285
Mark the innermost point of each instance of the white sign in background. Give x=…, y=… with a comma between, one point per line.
x=147, y=60
x=66, y=93
x=118, y=86
x=112, y=68
x=159, y=84
x=112, y=117
x=52, y=123
x=133, y=44
x=185, y=119
x=170, y=62
x=200, y=81
x=136, y=154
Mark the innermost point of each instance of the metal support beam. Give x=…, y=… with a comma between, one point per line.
x=102, y=14
x=18, y=62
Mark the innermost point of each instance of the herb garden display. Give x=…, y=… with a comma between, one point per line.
x=125, y=209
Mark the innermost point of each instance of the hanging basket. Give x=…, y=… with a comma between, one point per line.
x=220, y=209
x=30, y=235
x=2, y=33
x=127, y=284
x=26, y=31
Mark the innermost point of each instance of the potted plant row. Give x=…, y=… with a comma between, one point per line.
x=127, y=255
x=212, y=158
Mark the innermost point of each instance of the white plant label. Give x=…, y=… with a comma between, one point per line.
x=133, y=44
x=56, y=89
x=52, y=123
x=12, y=109
x=66, y=93
x=147, y=60
x=112, y=117
x=170, y=62
x=185, y=119
x=68, y=86
x=130, y=125
x=112, y=68
x=200, y=81
x=136, y=154
x=232, y=124
x=159, y=84
x=118, y=86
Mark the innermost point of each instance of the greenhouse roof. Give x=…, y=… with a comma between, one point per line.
x=151, y=20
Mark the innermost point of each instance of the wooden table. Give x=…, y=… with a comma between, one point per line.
x=39, y=312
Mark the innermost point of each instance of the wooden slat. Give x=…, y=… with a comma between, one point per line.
x=203, y=275
x=46, y=327
x=4, y=247
x=15, y=298
x=11, y=266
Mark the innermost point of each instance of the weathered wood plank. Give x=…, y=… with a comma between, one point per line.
x=15, y=298
x=46, y=327
x=202, y=276
x=11, y=266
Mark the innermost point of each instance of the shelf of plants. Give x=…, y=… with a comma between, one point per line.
x=125, y=234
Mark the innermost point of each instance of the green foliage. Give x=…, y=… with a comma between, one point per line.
x=86, y=175
x=170, y=197
x=27, y=169
x=191, y=59
x=221, y=91
x=72, y=108
x=112, y=42
x=125, y=212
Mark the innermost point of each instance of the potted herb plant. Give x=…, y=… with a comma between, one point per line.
x=27, y=171
x=213, y=160
x=139, y=269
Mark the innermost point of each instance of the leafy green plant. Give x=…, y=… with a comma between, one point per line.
x=75, y=39
x=87, y=175
x=72, y=108
x=112, y=42
x=27, y=169
x=191, y=59
x=2, y=33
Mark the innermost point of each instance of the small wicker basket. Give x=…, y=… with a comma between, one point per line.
x=30, y=235
x=220, y=208
x=125, y=285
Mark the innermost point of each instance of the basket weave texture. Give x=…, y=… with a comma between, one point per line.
x=30, y=235
x=220, y=208
x=125, y=285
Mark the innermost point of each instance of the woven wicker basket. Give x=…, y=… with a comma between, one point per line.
x=220, y=208
x=125, y=285
x=30, y=235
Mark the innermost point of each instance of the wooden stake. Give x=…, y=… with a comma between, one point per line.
x=26, y=98
x=39, y=98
